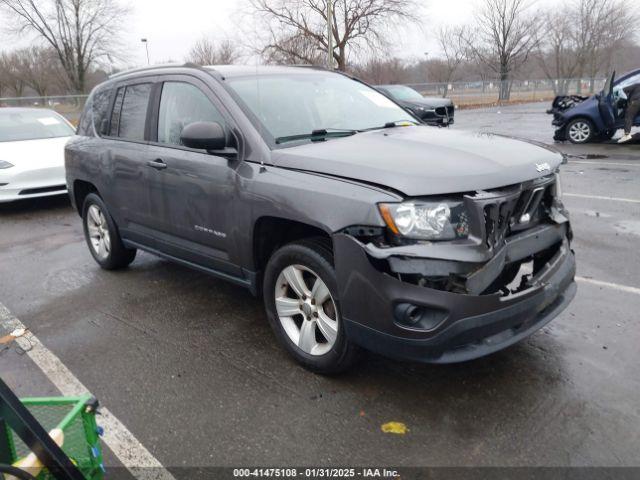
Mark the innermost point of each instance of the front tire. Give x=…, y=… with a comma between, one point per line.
x=301, y=300
x=102, y=236
x=580, y=131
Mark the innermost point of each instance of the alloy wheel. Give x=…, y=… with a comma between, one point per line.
x=306, y=310
x=579, y=132
x=98, y=230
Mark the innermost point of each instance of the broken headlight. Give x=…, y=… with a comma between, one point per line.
x=421, y=220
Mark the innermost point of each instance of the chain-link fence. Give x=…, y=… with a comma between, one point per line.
x=463, y=94
x=488, y=92
x=70, y=106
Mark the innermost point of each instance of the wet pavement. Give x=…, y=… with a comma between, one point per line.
x=189, y=365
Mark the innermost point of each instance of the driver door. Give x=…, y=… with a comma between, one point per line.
x=607, y=104
x=191, y=190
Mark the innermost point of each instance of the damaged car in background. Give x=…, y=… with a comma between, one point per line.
x=360, y=227
x=581, y=119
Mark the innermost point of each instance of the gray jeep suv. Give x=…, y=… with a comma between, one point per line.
x=360, y=227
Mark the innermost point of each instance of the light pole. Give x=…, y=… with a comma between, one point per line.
x=330, y=34
x=146, y=45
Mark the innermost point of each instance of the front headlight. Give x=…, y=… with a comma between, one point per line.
x=4, y=164
x=426, y=220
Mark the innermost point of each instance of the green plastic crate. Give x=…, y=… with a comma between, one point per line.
x=76, y=417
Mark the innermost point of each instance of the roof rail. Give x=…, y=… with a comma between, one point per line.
x=308, y=65
x=152, y=67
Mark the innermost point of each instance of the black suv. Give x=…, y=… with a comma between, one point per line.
x=431, y=110
x=358, y=226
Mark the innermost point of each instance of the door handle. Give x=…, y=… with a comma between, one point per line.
x=158, y=164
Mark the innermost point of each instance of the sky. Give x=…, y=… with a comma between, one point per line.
x=172, y=26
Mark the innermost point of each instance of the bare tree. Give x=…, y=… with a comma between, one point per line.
x=583, y=38
x=604, y=26
x=292, y=49
x=503, y=39
x=208, y=52
x=383, y=71
x=11, y=74
x=298, y=29
x=559, y=54
x=39, y=69
x=81, y=32
x=453, y=50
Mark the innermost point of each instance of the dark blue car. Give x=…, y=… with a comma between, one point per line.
x=595, y=118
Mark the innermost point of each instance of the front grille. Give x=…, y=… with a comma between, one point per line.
x=35, y=191
x=514, y=210
x=497, y=220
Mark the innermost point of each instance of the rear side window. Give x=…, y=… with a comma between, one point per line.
x=100, y=110
x=115, y=115
x=84, y=125
x=129, y=115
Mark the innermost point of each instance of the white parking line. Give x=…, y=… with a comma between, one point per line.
x=600, y=197
x=615, y=286
x=133, y=455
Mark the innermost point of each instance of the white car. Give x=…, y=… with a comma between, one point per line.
x=32, y=144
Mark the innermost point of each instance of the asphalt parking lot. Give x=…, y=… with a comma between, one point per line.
x=189, y=365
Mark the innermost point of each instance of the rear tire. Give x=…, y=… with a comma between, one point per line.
x=102, y=236
x=580, y=131
x=301, y=300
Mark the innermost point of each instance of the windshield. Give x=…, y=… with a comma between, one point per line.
x=17, y=125
x=404, y=93
x=299, y=104
x=619, y=87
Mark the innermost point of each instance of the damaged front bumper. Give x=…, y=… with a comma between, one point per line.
x=410, y=320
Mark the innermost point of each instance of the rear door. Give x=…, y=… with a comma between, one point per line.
x=128, y=178
x=607, y=104
x=192, y=191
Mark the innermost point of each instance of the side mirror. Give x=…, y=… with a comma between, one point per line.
x=204, y=136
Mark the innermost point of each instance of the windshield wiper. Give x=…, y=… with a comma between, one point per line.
x=394, y=124
x=318, y=135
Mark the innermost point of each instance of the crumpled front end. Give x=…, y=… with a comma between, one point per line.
x=444, y=302
x=560, y=105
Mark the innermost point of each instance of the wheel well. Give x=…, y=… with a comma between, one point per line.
x=583, y=117
x=80, y=191
x=270, y=233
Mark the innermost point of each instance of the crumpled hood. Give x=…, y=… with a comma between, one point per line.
x=424, y=160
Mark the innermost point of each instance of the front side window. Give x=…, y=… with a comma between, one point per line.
x=32, y=124
x=290, y=105
x=180, y=105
